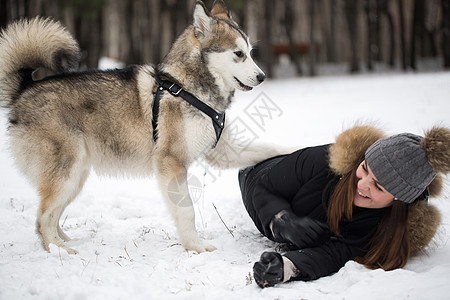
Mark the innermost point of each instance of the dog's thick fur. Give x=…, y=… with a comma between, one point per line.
x=63, y=125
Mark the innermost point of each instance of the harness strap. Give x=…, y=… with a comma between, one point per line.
x=218, y=118
x=155, y=112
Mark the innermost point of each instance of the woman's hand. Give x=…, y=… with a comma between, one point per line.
x=268, y=271
x=302, y=232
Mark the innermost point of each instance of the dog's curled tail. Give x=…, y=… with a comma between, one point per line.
x=29, y=44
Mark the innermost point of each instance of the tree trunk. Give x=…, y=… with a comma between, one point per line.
x=93, y=31
x=266, y=37
x=251, y=19
x=351, y=13
x=155, y=32
x=111, y=31
x=289, y=26
x=431, y=28
x=4, y=13
x=51, y=8
x=446, y=32
x=312, y=44
x=384, y=10
x=403, y=54
x=179, y=16
x=415, y=32
x=331, y=49
x=35, y=7
x=166, y=26
x=371, y=33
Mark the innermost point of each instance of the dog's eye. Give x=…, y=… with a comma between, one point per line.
x=239, y=54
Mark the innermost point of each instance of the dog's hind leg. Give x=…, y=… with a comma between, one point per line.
x=58, y=187
x=173, y=182
x=61, y=233
x=54, y=199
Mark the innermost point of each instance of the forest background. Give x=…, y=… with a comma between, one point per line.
x=306, y=36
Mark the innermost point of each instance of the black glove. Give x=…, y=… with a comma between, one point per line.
x=268, y=271
x=302, y=232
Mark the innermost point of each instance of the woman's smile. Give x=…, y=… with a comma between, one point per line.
x=362, y=194
x=374, y=195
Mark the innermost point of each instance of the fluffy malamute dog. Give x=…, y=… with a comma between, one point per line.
x=63, y=125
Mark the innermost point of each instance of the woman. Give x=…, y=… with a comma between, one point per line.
x=362, y=198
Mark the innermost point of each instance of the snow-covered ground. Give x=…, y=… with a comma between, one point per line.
x=129, y=248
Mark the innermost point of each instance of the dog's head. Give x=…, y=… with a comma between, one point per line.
x=225, y=47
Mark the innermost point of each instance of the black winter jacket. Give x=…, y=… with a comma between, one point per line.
x=302, y=182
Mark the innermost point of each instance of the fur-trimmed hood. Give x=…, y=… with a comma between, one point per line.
x=423, y=218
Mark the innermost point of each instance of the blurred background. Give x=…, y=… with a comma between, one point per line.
x=290, y=37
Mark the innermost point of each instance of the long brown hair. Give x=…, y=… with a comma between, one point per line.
x=389, y=247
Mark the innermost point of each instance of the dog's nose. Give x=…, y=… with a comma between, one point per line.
x=261, y=77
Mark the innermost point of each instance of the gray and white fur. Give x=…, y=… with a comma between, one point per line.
x=64, y=125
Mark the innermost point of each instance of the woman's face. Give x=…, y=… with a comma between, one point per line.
x=369, y=192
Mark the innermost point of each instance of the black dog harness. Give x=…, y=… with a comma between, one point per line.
x=218, y=118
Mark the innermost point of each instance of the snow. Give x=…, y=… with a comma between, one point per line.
x=105, y=63
x=129, y=246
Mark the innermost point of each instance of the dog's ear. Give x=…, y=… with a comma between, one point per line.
x=220, y=10
x=202, y=21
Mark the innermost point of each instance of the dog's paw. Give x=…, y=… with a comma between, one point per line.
x=71, y=251
x=200, y=247
x=52, y=248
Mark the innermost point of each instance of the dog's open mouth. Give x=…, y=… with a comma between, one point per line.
x=243, y=86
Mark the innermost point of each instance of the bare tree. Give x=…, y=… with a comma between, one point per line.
x=289, y=19
x=403, y=54
x=266, y=36
x=331, y=49
x=252, y=18
x=141, y=31
x=312, y=43
x=155, y=32
x=351, y=13
x=3, y=13
x=372, y=45
x=384, y=10
x=417, y=16
x=111, y=25
x=446, y=32
x=89, y=32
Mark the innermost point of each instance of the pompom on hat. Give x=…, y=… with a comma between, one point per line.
x=405, y=164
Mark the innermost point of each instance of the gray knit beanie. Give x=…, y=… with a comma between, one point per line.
x=401, y=166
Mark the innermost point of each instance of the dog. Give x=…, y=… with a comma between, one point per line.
x=66, y=124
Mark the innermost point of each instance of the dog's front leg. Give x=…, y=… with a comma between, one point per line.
x=172, y=176
x=233, y=152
